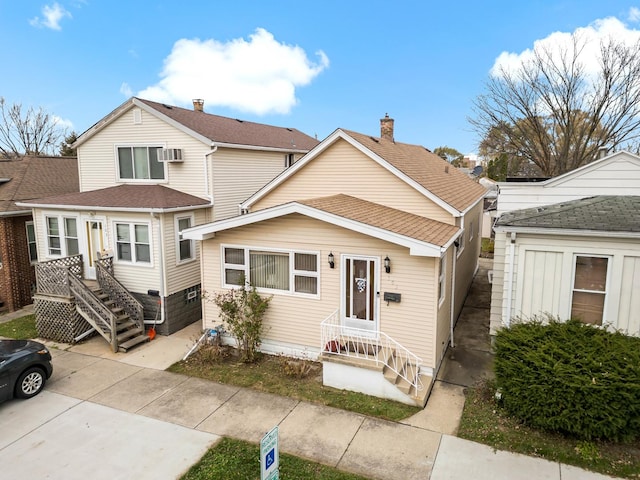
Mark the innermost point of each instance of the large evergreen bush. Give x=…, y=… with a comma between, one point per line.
x=570, y=377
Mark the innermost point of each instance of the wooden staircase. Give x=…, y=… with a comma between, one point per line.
x=128, y=333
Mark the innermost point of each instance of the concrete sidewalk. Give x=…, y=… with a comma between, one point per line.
x=106, y=415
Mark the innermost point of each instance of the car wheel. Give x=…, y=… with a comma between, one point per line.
x=30, y=383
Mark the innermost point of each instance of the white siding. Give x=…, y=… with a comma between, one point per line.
x=618, y=175
x=97, y=157
x=539, y=290
x=238, y=174
x=629, y=309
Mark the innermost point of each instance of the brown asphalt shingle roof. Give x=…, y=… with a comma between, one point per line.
x=426, y=168
x=32, y=177
x=386, y=218
x=141, y=197
x=606, y=213
x=237, y=132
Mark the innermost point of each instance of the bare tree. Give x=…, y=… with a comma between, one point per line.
x=34, y=132
x=552, y=112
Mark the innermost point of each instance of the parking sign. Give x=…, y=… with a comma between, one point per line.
x=269, y=456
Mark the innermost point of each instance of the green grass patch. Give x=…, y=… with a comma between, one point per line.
x=23, y=328
x=485, y=421
x=238, y=460
x=273, y=374
x=487, y=245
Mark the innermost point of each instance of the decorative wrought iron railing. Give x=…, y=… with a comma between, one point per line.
x=118, y=293
x=374, y=346
x=52, y=276
x=94, y=311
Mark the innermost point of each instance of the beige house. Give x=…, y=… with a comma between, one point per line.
x=368, y=247
x=568, y=247
x=147, y=171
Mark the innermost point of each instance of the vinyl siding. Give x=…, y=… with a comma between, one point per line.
x=498, y=301
x=238, y=174
x=296, y=320
x=628, y=318
x=344, y=169
x=467, y=262
x=539, y=290
x=444, y=311
x=97, y=157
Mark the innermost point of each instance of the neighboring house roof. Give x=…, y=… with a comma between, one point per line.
x=416, y=165
x=606, y=213
x=422, y=235
x=29, y=177
x=124, y=198
x=213, y=129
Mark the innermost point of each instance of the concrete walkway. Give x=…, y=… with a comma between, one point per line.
x=106, y=415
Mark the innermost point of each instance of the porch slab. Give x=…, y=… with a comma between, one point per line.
x=65, y=362
x=202, y=396
x=139, y=390
x=249, y=415
x=86, y=382
x=388, y=451
x=160, y=353
x=318, y=432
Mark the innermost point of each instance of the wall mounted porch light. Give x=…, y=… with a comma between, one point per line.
x=387, y=264
x=331, y=262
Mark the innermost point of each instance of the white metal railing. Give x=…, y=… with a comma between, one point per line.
x=375, y=346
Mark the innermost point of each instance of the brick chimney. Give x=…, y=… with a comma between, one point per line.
x=198, y=104
x=386, y=128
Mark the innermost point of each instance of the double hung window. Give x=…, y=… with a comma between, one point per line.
x=140, y=163
x=132, y=242
x=62, y=236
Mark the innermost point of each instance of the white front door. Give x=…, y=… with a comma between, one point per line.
x=360, y=290
x=94, y=244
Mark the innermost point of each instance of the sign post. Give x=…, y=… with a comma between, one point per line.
x=269, y=456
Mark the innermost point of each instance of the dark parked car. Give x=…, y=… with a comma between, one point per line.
x=25, y=366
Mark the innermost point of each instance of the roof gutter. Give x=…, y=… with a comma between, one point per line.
x=261, y=148
x=113, y=209
x=15, y=213
x=569, y=232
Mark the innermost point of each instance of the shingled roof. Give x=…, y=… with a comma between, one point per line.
x=385, y=218
x=426, y=168
x=605, y=213
x=125, y=197
x=29, y=177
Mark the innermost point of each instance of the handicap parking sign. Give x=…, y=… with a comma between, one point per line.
x=269, y=456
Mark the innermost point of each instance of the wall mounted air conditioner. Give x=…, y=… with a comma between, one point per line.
x=171, y=154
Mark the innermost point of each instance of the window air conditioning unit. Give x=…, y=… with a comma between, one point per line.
x=171, y=154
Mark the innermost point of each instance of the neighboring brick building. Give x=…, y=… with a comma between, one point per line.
x=26, y=178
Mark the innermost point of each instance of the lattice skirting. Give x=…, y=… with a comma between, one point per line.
x=58, y=320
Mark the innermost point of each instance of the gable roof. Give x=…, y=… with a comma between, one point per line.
x=414, y=164
x=423, y=236
x=29, y=177
x=139, y=198
x=213, y=129
x=605, y=213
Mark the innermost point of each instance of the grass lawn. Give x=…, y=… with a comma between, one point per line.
x=301, y=380
x=238, y=460
x=22, y=328
x=483, y=421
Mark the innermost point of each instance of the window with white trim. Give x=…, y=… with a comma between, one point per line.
x=273, y=270
x=31, y=242
x=185, y=247
x=140, y=163
x=441, y=280
x=460, y=244
x=471, y=231
x=589, y=289
x=62, y=236
x=133, y=242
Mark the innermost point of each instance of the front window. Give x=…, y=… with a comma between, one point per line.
x=140, y=163
x=53, y=236
x=31, y=242
x=71, y=236
x=132, y=243
x=292, y=272
x=185, y=246
x=589, y=289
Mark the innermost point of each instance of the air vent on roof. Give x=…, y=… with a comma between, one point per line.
x=290, y=129
x=171, y=155
x=374, y=139
x=238, y=120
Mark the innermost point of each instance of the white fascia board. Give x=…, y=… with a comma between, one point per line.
x=258, y=147
x=566, y=232
x=48, y=206
x=15, y=213
x=100, y=124
x=469, y=208
x=416, y=247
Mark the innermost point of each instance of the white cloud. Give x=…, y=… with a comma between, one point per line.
x=126, y=90
x=258, y=76
x=634, y=14
x=63, y=123
x=52, y=15
x=599, y=30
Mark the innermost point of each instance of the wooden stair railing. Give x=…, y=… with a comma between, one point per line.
x=119, y=294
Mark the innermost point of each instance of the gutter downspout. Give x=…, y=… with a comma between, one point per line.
x=453, y=294
x=163, y=288
x=512, y=251
x=208, y=194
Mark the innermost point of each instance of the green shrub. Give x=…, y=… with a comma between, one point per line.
x=571, y=378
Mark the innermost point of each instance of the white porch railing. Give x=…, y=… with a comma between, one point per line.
x=370, y=345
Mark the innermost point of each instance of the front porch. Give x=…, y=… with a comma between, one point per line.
x=372, y=363
x=70, y=308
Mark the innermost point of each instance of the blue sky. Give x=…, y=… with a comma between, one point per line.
x=315, y=66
